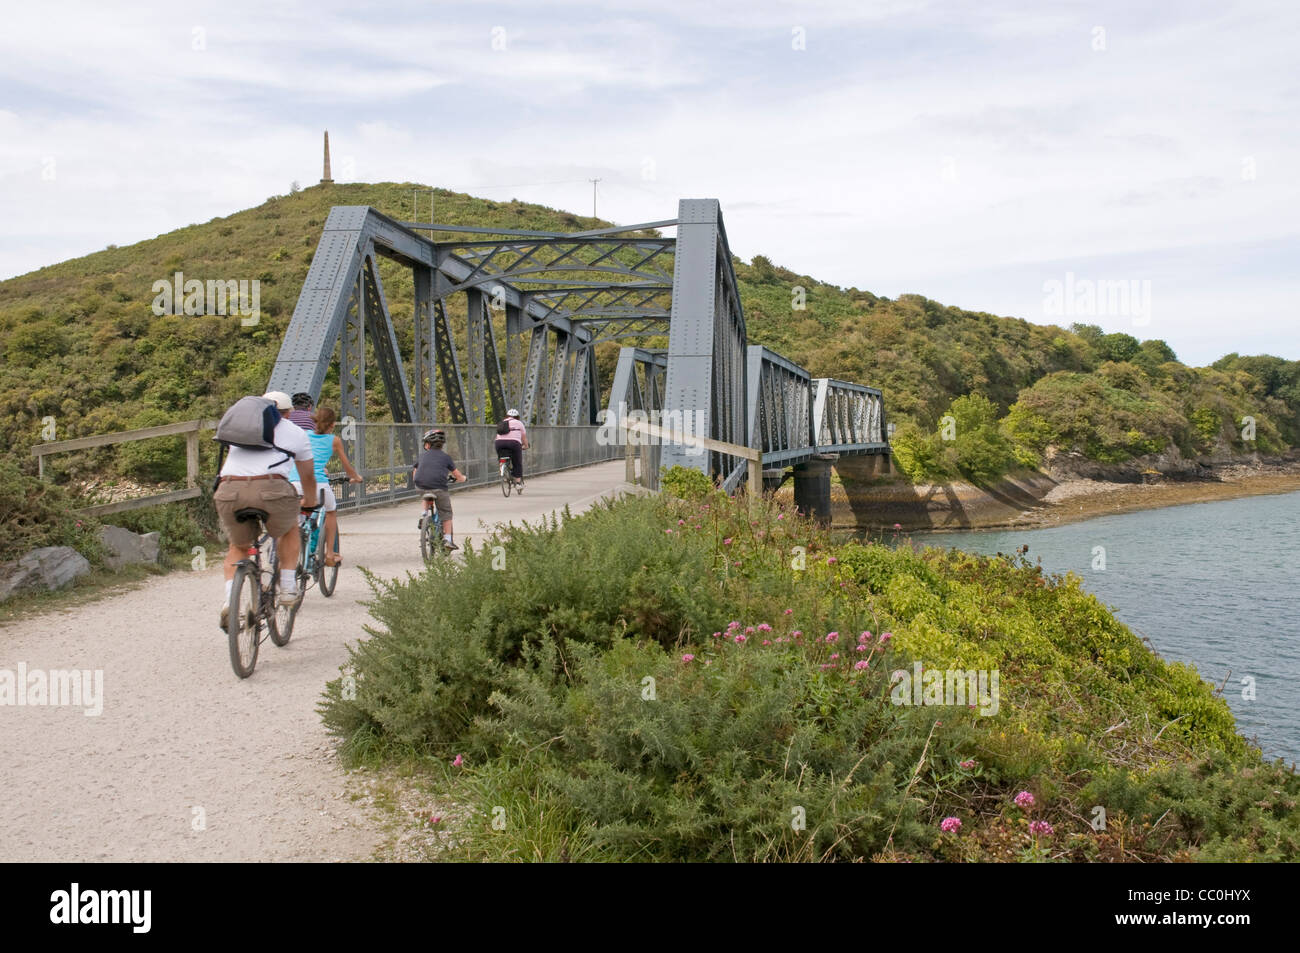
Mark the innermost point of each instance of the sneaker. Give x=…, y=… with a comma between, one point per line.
x=288, y=598
x=449, y=545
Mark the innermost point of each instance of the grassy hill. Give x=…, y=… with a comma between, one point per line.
x=79, y=342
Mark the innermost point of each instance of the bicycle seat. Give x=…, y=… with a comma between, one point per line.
x=429, y=496
x=248, y=514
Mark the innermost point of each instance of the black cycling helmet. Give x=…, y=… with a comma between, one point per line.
x=302, y=400
x=435, y=436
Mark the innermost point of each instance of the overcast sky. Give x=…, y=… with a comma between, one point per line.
x=972, y=152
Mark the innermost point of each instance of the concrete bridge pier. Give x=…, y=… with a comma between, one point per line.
x=812, y=487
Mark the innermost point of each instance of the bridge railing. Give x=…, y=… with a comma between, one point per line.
x=848, y=417
x=383, y=454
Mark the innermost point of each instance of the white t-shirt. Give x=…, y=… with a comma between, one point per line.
x=241, y=462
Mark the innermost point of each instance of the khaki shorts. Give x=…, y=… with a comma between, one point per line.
x=276, y=496
x=442, y=500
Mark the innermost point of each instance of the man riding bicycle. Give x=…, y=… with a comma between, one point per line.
x=512, y=441
x=430, y=474
x=261, y=479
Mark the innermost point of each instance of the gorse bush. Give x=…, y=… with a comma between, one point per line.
x=680, y=680
x=35, y=514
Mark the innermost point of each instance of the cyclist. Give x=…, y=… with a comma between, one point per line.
x=301, y=413
x=324, y=444
x=260, y=479
x=431, y=473
x=512, y=443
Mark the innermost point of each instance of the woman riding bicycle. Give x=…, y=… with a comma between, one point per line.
x=325, y=444
x=512, y=442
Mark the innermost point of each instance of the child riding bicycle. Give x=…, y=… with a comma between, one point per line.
x=430, y=473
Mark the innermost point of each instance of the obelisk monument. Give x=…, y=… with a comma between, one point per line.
x=327, y=180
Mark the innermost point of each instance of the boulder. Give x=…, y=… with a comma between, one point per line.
x=124, y=548
x=50, y=567
x=150, y=544
x=15, y=578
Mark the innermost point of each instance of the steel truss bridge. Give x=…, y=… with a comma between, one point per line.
x=556, y=298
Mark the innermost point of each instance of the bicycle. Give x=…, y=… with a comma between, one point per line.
x=311, y=560
x=507, y=477
x=431, y=541
x=254, y=607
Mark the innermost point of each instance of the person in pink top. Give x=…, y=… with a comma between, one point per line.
x=512, y=441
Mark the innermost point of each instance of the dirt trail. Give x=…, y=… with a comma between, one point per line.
x=186, y=761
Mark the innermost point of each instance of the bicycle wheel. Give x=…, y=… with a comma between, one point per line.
x=329, y=574
x=243, y=626
x=430, y=538
x=280, y=617
x=506, y=480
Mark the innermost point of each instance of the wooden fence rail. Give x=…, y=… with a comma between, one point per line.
x=189, y=428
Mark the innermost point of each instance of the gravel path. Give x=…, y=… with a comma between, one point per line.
x=186, y=761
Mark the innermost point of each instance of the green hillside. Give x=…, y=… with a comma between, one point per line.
x=79, y=342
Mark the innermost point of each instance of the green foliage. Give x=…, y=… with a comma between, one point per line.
x=982, y=452
x=1111, y=416
x=685, y=483
x=35, y=514
x=588, y=735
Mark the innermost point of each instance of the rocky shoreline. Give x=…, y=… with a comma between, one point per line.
x=1060, y=495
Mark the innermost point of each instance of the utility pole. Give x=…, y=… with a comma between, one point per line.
x=593, y=196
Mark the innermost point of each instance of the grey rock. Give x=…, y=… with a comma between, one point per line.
x=15, y=578
x=150, y=544
x=124, y=548
x=55, y=566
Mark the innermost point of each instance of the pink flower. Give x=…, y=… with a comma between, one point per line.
x=832, y=636
x=1024, y=800
x=690, y=658
x=825, y=667
x=764, y=627
x=898, y=526
x=740, y=638
x=749, y=630
x=969, y=764
x=727, y=541
x=835, y=655
x=767, y=641
x=885, y=637
x=717, y=634
x=458, y=762
x=863, y=648
x=1041, y=827
x=831, y=560
x=733, y=625
x=736, y=563
x=861, y=664
x=789, y=612
x=681, y=522
x=780, y=516
x=950, y=825
x=669, y=532
x=796, y=634
x=435, y=818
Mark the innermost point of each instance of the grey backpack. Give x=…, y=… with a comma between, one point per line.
x=250, y=423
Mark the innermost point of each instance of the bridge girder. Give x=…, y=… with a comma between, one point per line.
x=562, y=294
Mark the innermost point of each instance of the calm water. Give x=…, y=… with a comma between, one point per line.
x=1216, y=585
